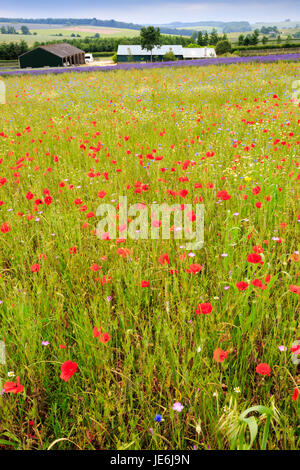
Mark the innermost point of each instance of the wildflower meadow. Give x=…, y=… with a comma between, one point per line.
x=144, y=342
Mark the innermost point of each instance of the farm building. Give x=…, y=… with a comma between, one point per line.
x=137, y=54
x=52, y=55
x=198, y=52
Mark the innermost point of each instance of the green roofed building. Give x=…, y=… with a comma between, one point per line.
x=52, y=55
x=137, y=54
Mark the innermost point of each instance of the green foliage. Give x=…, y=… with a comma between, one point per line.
x=115, y=58
x=12, y=50
x=200, y=39
x=241, y=40
x=169, y=56
x=213, y=38
x=206, y=39
x=25, y=30
x=265, y=47
x=223, y=47
x=150, y=38
x=8, y=30
x=238, y=426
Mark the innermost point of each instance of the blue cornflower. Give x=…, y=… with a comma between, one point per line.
x=158, y=418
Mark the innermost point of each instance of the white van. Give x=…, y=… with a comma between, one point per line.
x=89, y=58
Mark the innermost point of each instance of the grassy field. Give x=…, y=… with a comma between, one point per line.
x=171, y=348
x=49, y=33
x=52, y=34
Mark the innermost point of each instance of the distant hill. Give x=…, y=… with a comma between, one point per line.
x=92, y=22
x=227, y=27
x=176, y=27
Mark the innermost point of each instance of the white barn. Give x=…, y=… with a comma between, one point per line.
x=198, y=52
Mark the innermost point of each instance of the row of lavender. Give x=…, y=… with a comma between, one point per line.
x=179, y=63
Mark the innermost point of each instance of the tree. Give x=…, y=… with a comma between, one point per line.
x=25, y=30
x=194, y=37
x=264, y=40
x=205, y=39
x=222, y=47
x=247, y=40
x=213, y=37
x=169, y=56
x=200, y=39
x=150, y=37
x=254, y=37
x=241, y=40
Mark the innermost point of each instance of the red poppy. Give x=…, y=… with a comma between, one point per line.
x=242, y=285
x=183, y=193
x=203, y=308
x=48, y=200
x=295, y=289
x=123, y=252
x=11, y=387
x=194, y=268
x=296, y=349
x=145, y=284
x=263, y=369
x=101, y=194
x=220, y=355
x=35, y=268
x=254, y=258
x=223, y=195
x=296, y=394
x=103, y=337
x=5, y=228
x=164, y=259
x=258, y=283
x=256, y=190
x=68, y=368
x=95, y=267
x=105, y=280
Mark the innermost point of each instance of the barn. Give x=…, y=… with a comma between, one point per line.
x=137, y=54
x=52, y=55
x=198, y=52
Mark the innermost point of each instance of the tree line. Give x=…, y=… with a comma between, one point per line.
x=12, y=30
x=12, y=50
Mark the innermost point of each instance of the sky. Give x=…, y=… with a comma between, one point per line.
x=155, y=11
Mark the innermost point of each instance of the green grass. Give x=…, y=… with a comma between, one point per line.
x=67, y=128
x=51, y=34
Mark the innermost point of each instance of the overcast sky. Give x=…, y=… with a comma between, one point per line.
x=155, y=11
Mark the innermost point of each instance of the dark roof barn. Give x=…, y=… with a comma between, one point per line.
x=52, y=55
